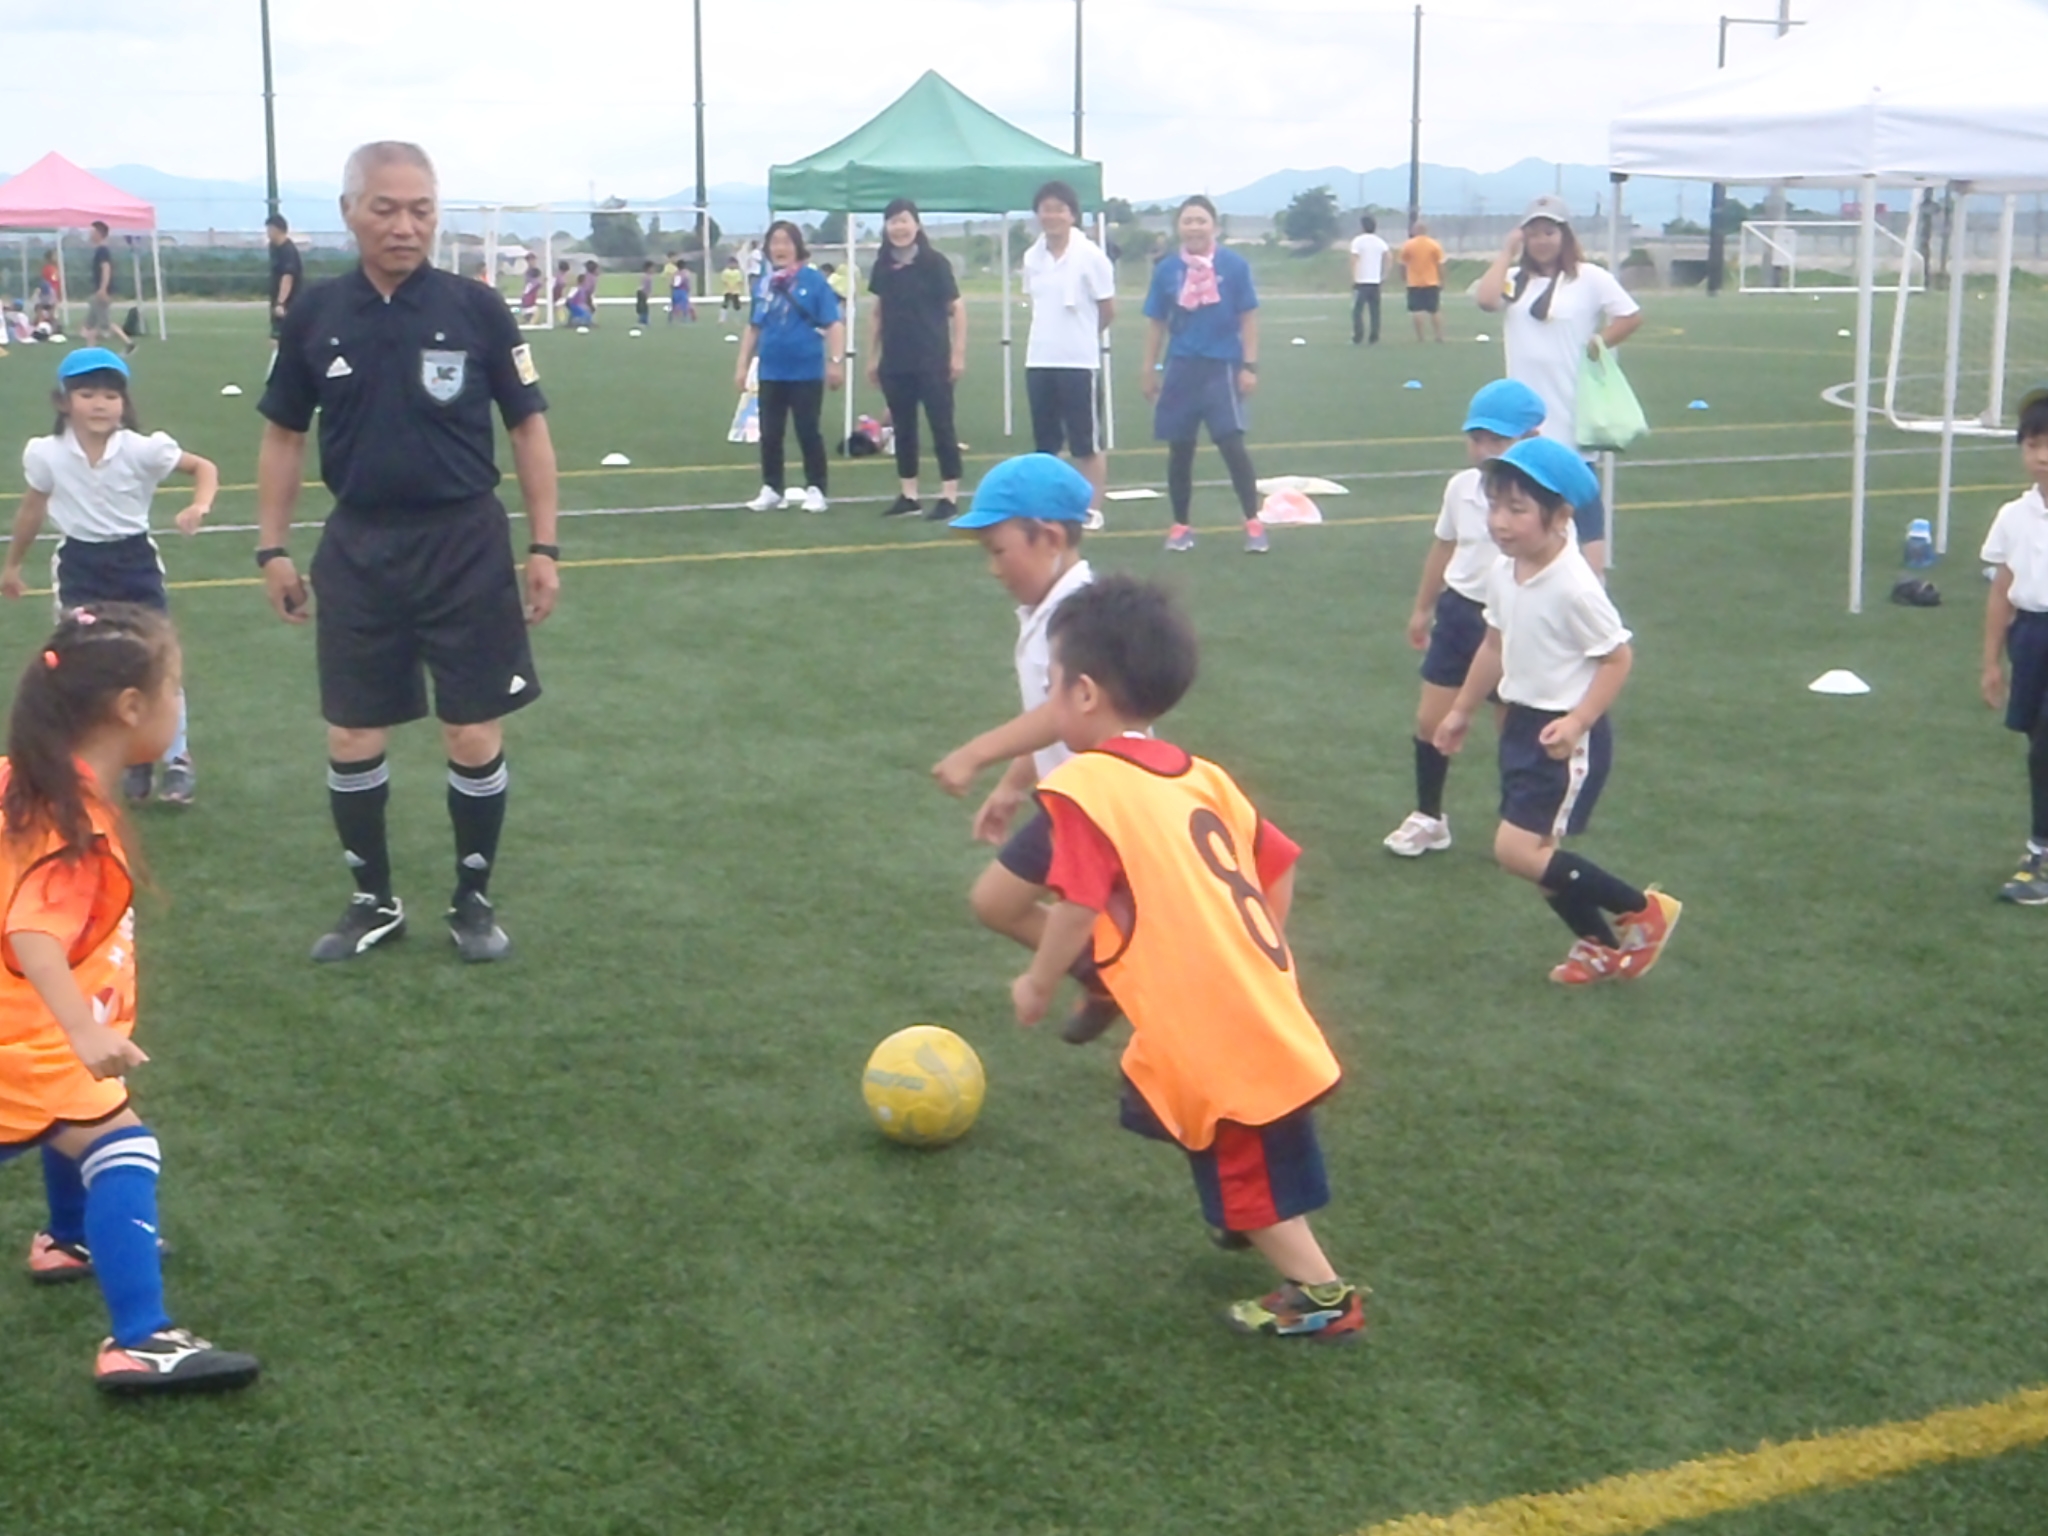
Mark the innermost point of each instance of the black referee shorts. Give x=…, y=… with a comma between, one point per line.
x=401, y=595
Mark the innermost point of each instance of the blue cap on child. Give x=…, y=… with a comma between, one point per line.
x=1034, y=485
x=1506, y=408
x=91, y=360
x=1556, y=468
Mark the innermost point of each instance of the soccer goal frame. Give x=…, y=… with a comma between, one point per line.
x=495, y=216
x=1779, y=245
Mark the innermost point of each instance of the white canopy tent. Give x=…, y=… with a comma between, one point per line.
x=1870, y=94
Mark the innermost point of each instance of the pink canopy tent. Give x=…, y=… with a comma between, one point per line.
x=56, y=195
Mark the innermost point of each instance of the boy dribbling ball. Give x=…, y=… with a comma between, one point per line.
x=1180, y=889
x=2016, y=629
x=1557, y=654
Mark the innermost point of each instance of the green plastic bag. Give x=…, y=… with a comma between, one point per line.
x=1608, y=414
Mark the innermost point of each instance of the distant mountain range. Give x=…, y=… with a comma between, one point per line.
x=188, y=204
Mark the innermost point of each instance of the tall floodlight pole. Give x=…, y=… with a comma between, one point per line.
x=1415, y=129
x=269, y=111
x=1717, y=235
x=1077, y=79
x=703, y=199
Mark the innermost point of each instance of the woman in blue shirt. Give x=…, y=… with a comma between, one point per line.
x=796, y=331
x=1204, y=315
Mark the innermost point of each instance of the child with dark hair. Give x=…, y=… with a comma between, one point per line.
x=643, y=296
x=2016, y=630
x=529, y=291
x=1557, y=654
x=582, y=300
x=1205, y=320
x=94, y=477
x=1179, y=889
x=680, y=306
x=101, y=695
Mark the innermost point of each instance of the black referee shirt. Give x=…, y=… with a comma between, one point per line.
x=285, y=262
x=403, y=386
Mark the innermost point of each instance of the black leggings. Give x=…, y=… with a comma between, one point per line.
x=932, y=389
x=780, y=400
x=1180, y=474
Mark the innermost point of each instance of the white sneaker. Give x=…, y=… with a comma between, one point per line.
x=813, y=499
x=1418, y=835
x=1093, y=520
x=792, y=499
x=767, y=501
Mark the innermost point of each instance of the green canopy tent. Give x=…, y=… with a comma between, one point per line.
x=948, y=154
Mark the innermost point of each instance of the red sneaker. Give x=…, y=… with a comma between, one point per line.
x=1586, y=963
x=1644, y=934
x=53, y=1263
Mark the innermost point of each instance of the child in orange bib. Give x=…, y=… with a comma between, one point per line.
x=100, y=696
x=1169, y=873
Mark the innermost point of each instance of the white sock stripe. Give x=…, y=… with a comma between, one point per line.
x=356, y=783
x=128, y=1152
x=481, y=789
x=1579, y=766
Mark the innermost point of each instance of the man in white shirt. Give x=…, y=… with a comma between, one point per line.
x=1368, y=267
x=1071, y=287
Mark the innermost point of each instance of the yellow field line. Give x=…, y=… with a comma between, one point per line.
x=1645, y=1501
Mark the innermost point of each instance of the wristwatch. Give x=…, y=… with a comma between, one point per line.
x=265, y=556
x=552, y=551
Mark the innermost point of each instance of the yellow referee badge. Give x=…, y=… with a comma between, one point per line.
x=522, y=360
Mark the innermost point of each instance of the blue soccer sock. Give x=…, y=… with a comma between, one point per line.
x=65, y=1186
x=120, y=1226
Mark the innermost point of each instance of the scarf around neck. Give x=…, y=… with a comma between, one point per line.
x=1199, y=286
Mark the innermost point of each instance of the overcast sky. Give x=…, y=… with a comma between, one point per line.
x=523, y=101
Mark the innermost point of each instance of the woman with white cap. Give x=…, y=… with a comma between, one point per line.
x=1559, y=309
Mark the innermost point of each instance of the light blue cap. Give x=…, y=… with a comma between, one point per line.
x=1506, y=408
x=1034, y=485
x=91, y=360
x=1554, y=467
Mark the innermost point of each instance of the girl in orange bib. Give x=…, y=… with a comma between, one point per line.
x=100, y=696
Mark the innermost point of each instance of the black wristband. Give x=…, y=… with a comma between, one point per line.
x=1248, y=367
x=265, y=556
x=552, y=551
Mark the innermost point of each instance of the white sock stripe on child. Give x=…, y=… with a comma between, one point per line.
x=129, y=1152
x=356, y=783
x=481, y=789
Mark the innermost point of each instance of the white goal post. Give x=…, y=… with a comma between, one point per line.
x=487, y=228
x=1823, y=251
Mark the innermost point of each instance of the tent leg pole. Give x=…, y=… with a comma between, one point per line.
x=1614, y=258
x=1994, y=410
x=852, y=326
x=1952, y=346
x=1866, y=280
x=1106, y=437
x=63, y=288
x=1008, y=417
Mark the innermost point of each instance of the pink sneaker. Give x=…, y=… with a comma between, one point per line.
x=53, y=1263
x=1180, y=538
x=1255, y=537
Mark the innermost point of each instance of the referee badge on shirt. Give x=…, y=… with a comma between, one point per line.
x=443, y=373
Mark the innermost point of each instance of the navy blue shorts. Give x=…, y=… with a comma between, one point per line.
x=1454, y=639
x=1541, y=794
x=1198, y=392
x=1251, y=1176
x=1028, y=853
x=1062, y=409
x=119, y=571
x=2026, y=646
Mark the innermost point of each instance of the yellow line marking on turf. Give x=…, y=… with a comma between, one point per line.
x=1637, y=1502
x=806, y=552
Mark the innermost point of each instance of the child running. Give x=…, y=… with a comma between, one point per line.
x=1449, y=620
x=1180, y=888
x=2016, y=627
x=1028, y=513
x=94, y=478
x=679, y=305
x=101, y=696
x=582, y=301
x=1557, y=654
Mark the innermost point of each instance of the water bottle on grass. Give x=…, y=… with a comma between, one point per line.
x=1919, y=544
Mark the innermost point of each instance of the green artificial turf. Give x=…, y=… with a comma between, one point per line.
x=601, y=1240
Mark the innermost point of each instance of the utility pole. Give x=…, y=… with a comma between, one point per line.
x=1415, y=129
x=1774, y=200
x=703, y=197
x=1077, y=79
x=269, y=111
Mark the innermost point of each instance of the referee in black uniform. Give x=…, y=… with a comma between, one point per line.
x=414, y=569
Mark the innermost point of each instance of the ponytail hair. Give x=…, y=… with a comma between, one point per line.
x=67, y=689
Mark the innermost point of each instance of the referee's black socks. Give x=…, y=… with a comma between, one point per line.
x=476, y=806
x=357, y=794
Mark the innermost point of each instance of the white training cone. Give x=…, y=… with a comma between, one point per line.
x=1138, y=493
x=1299, y=341
x=634, y=332
x=231, y=389
x=732, y=338
x=614, y=461
x=1839, y=683
x=1308, y=485
x=1840, y=333
x=1482, y=336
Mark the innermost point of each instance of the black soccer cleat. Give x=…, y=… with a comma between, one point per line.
x=365, y=923
x=474, y=928
x=175, y=1360
x=1097, y=1012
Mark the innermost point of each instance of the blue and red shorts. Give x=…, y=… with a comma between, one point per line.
x=1250, y=1176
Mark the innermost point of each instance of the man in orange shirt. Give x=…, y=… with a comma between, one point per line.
x=1423, y=261
x=1182, y=889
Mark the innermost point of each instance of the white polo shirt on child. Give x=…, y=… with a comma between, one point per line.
x=1034, y=655
x=1554, y=629
x=1462, y=521
x=1066, y=293
x=2018, y=540
x=98, y=503
x=1545, y=354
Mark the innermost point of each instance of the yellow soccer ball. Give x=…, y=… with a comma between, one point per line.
x=924, y=1086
